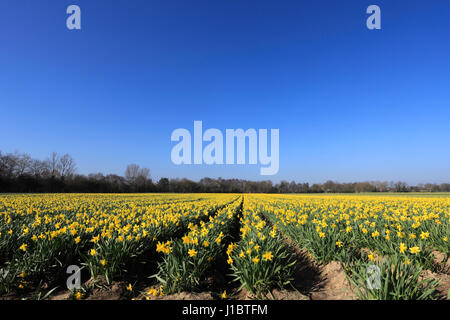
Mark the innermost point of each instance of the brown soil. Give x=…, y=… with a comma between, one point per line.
x=442, y=290
x=114, y=292
x=335, y=285
x=242, y=295
x=183, y=296
x=60, y=296
x=442, y=262
x=275, y=294
x=288, y=295
x=317, y=281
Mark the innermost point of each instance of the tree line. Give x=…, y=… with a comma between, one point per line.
x=57, y=173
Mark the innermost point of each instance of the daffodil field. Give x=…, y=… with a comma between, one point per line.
x=396, y=236
x=177, y=240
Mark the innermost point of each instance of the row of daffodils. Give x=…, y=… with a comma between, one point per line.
x=188, y=236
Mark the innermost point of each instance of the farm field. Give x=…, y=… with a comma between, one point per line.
x=225, y=246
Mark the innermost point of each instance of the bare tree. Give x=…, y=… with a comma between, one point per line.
x=144, y=173
x=8, y=165
x=52, y=164
x=39, y=168
x=132, y=173
x=401, y=186
x=136, y=176
x=143, y=177
x=2, y=164
x=381, y=186
x=23, y=163
x=66, y=166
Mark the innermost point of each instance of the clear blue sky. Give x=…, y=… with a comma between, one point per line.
x=351, y=104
